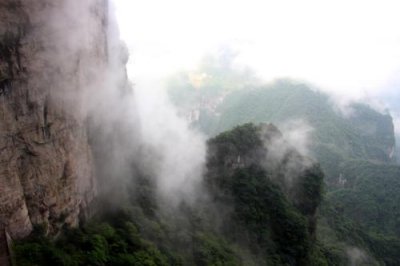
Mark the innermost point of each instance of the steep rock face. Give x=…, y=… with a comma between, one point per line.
x=51, y=52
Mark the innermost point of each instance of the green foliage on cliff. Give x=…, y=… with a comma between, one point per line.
x=97, y=243
x=277, y=227
x=268, y=217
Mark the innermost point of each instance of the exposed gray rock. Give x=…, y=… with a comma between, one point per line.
x=52, y=53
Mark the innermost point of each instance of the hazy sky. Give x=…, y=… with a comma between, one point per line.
x=350, y=47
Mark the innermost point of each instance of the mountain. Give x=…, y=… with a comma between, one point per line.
x=355, y=149
x=79, y=181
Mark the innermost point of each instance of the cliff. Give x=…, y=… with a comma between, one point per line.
x=52, y=53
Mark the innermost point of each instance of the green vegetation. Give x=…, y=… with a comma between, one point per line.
x=248, y=218
x=365, y=134
x=370, y=196
x=117, y=242
x=340, y=234
x=279, y=230
x=275, y=226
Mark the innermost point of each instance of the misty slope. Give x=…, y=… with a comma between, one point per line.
x=258, y=210
x=365, y=134
x=355, y=152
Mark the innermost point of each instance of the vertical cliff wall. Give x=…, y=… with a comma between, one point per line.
x=52, y=57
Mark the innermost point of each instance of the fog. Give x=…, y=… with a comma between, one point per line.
x=132, y=132
x=151, y=163
x=177, y=153
x=298, y=134
x=348, y=49
x=135, y=131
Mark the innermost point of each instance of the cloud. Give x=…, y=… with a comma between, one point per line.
x=357, y=256
x=179, y=151
x=288, y=150
x=350, y=48
x=298, y=133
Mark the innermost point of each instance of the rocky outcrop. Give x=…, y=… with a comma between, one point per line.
x=52, y=55
x=257, y=179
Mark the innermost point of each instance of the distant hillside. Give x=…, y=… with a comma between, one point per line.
x=362, y=134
